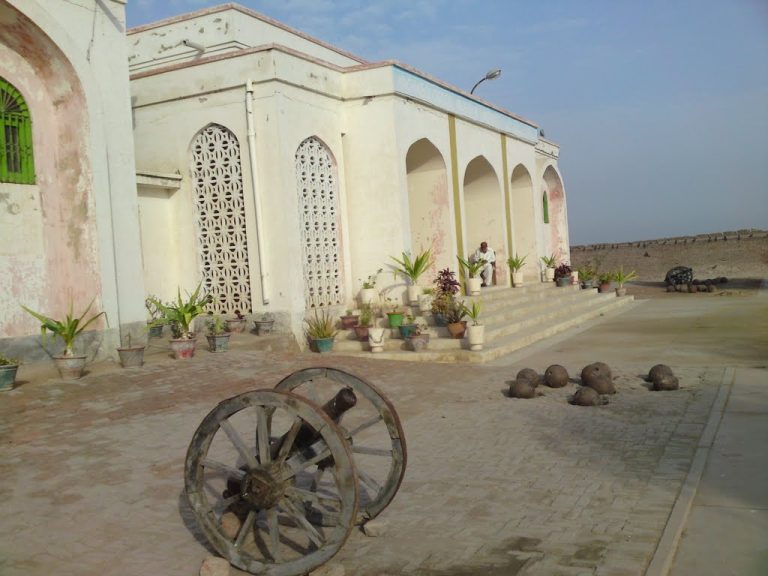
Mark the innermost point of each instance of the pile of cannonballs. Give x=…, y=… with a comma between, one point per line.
x=681, y=277
x=596, y=382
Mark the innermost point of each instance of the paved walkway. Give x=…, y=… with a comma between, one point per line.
x=91, y=471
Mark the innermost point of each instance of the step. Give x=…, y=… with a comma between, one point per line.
x=528, y=327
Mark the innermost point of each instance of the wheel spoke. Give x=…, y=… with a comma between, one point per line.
x=238, y=443
x=365, y=425
x=262, y=435
x=371, y=451
x=369, y=482
x=225, y=503
x=299, y=495
x=287, y=444
x=296, y=464
x=299, y=518
x=274, y=534
x=215, y=465
x=245, y=528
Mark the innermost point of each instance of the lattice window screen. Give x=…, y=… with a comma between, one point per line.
x=319, y=219
x=222, y=240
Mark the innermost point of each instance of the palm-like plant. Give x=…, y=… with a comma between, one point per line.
x=414, y=268
x=472, y=267
x=474, y=312
x=181, y=313
x=549, y=261
x=321, y=326
x=516, y=262
x=621, y=277
x=67, y=329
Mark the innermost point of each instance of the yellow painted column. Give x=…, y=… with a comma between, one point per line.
x=456, y=187
x=507, y=203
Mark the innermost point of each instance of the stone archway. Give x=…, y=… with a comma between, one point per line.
x=558, y=226
x=484, y=212
x=523, y=217
x=429, y=202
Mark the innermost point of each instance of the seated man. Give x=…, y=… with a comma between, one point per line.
x=489, y=257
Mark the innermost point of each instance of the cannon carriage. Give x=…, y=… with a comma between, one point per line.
x=277, y=478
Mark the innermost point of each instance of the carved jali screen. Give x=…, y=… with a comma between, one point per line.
x=223, y=254
x=319, y=220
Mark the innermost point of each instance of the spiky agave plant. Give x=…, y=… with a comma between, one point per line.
x=67, y=329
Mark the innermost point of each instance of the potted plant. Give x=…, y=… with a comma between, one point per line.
x=621, y=278
x=349, y=320
x=217, y=336
x=425, y=299
x=368, y=293
x=376, y=339
x=475, y=330
x=236, y=324
x=563, y=275
x=407, y=326
x=395, y=314
x=413, y=269
x=419, y=338
x=264, y=324
x=131, y=356
x=549, y=265
x=8, y=369
x=320, y=332
x=154, y=324
x=446, y=288
x=472, y=269
x=604, y=280
x=70, y=366
x=179, y=315
x=364, y=322
x=455, y=319
x=516, y=264
x=587, y=276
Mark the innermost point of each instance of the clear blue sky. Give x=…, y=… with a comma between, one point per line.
x=660, y=107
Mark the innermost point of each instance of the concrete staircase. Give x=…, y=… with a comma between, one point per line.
x=513, y=318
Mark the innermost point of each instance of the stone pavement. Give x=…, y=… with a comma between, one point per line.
x=91, y=472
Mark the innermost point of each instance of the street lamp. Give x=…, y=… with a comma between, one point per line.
x=491, y=75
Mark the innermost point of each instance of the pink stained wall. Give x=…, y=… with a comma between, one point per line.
x=558, y=241
x=65, y=268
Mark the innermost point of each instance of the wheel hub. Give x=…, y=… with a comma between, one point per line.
x=262, y=489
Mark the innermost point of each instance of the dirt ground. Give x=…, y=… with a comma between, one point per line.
x=741, y=257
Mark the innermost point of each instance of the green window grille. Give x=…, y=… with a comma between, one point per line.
x=16, y=160
x=546, y=208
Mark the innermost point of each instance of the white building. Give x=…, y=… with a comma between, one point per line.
x=277, y=169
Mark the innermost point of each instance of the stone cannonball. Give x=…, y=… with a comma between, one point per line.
x=586, y=396
x=594, y=370
x=556, y=376
x=666, y=382
x=529, y=374
x=658, y=370
x=602, y=385
x=522, y=388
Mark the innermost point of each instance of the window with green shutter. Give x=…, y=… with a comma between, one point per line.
x=16, y=159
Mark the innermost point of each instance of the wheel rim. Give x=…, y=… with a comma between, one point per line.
x=254, y=491
x=372, y=428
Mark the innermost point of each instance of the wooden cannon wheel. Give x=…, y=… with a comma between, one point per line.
x=251, y=480
x=372, y=428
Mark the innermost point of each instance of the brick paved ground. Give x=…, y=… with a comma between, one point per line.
x=91, y=471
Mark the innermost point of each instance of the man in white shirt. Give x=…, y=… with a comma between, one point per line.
x=489, y=257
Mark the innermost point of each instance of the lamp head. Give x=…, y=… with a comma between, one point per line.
x=493, y=74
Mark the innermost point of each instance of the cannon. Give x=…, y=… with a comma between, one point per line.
x=277, y=478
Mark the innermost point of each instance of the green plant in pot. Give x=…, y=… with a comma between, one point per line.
x=8, y=369
x=586, y=276
x=516, y=264
x=155, y=323
x=413, y=269
x=455, y=319
x=364, y=322
x=368, y=293
x=394, y=313
x=236, y=324
x=472, y=269
x=350, y=320
x=475, y=330
x=604, y=280
x=419, y=338
x=180, y=314
x=264, y=324
x=69, y=364
x=446, y=288
x=217, y=335
x=320, y=331
x=407, y=327
x=549, y=266
x=621, y=278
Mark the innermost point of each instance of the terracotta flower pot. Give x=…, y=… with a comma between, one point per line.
x=456, y=329
x=361, y=332
x=183, y=348
x=132, y=357
x=218, y=342
x=70, y=367
x=350, y=321
x=263, y=327
x=236, y=325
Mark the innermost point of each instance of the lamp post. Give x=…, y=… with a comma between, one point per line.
x=491, y=75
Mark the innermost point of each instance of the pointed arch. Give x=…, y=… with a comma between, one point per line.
x=558, y=228
x=429, y=201
x=220, y=217
x=523, y=214
x=484, y=208
x=320, y=223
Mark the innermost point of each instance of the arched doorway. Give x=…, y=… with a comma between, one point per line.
x=221, y=222
x=555, y=204
x=523, y=217
x=320, y=224
x=428, y=202
x=484, y=212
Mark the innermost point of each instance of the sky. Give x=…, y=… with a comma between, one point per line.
x=660, y=107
